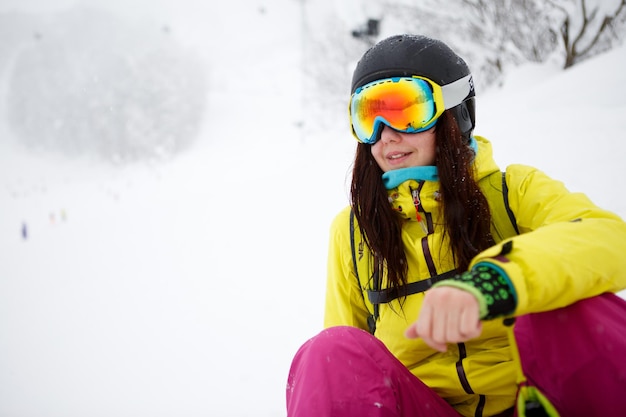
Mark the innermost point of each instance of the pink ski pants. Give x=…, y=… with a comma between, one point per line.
x=575, y=355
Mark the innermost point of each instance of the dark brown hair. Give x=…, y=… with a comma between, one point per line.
x=465, y=209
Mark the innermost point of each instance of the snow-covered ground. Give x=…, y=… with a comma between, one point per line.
x=183, y=288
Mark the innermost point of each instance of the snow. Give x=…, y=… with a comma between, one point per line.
x=184, y=287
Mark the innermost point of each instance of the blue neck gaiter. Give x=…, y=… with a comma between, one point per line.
x=392, y=179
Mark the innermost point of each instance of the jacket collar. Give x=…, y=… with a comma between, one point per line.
x=420, y=185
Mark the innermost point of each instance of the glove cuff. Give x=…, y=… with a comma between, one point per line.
x=491, y=287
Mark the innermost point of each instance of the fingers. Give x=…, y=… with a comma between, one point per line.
x=411, y=332
x=424, y=328
x=470, y=325
x=448, y=315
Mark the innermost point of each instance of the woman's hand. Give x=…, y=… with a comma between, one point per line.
x=448, y=315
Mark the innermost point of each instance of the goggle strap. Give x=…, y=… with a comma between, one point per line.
x=456, y=92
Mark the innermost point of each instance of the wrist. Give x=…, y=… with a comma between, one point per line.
x=491, y=287
x=483, y=309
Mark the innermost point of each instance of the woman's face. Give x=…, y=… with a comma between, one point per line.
x=397, y=150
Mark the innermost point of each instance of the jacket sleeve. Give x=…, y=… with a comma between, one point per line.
x=345, y=305
x=569, y=248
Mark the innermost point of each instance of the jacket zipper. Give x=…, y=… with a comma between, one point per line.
x=427, y=229
x=465, y=383
x=415, y=193
x=461, y=371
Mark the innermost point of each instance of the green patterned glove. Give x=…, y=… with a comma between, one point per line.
x=490, y=285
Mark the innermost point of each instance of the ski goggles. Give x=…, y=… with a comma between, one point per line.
x=406, y=104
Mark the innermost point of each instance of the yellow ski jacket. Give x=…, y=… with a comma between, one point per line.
x=568, y=249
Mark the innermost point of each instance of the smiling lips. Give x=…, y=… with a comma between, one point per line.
x=397, y=155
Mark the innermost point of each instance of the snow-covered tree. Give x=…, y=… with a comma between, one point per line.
x=587, y=27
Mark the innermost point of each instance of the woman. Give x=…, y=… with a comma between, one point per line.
x=437, y=253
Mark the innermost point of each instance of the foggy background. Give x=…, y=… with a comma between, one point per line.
x=129, y=80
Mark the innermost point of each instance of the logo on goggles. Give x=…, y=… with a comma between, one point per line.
x=406, y=104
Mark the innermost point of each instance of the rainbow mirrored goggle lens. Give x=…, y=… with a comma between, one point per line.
x=406, y=104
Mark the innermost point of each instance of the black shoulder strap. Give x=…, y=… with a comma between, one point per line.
x=353, y=249
x=373, y=317
x=505, y=196
x=503, y=222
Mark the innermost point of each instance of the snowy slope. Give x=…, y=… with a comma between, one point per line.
x=183, y=288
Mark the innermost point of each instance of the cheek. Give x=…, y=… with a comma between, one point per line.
x=431, y=149
x=434, y=151
x=376, y=151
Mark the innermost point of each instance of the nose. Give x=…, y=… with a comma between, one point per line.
x=388, y=135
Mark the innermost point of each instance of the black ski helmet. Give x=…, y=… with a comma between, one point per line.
x=407, y=55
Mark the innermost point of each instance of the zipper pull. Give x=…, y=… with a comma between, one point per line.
x=418, y=216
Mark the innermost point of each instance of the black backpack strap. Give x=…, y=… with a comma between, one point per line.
x=503, y=222
x=371, y=319
x=353, y=249
x=505, y=196
x=389, y=294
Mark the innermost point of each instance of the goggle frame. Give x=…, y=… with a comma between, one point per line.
x=443, y=98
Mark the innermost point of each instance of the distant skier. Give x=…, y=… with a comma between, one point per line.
x=24, y=231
